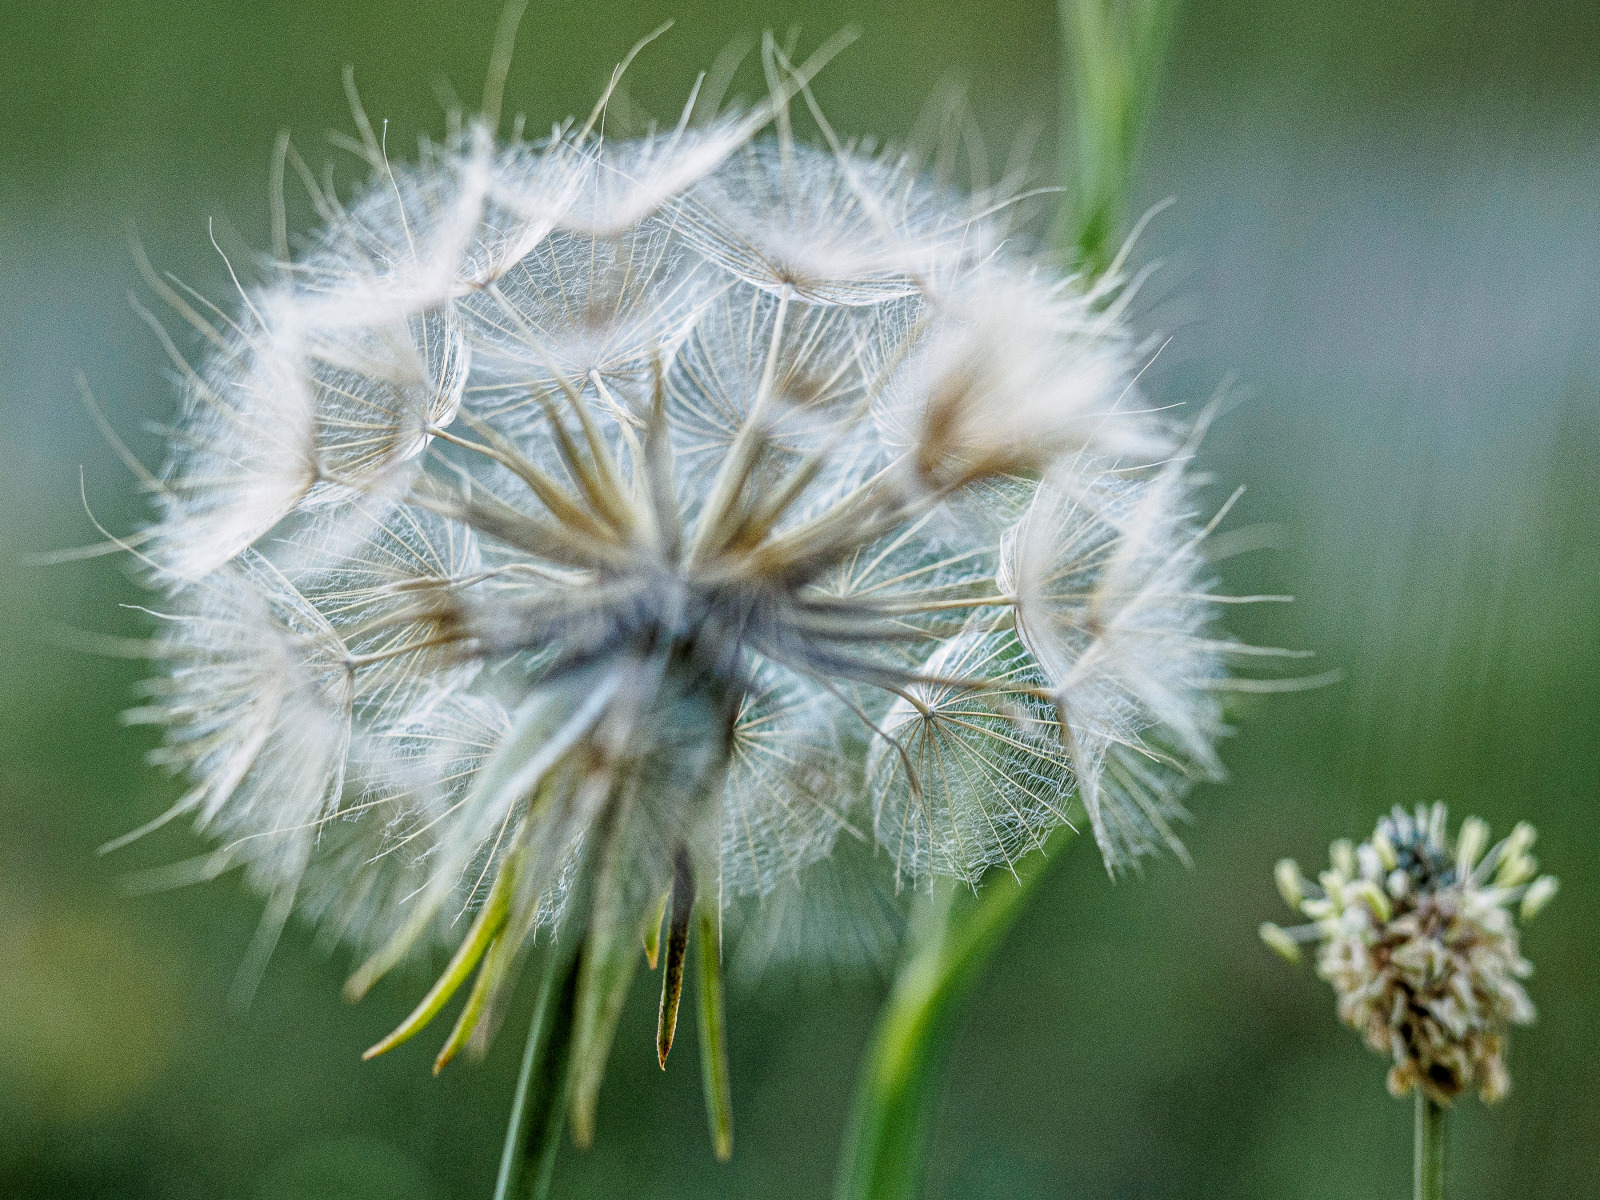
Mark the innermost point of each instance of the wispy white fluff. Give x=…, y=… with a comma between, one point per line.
x=575, y=516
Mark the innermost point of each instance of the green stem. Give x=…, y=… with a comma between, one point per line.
x=539, y=1106
x=1428, y=1175
x=898, y=1088
x=1114, y=50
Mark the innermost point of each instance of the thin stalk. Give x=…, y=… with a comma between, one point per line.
x=898, y=1088
x=1428, y=1171
x=1114, y=50
x=538, y=1108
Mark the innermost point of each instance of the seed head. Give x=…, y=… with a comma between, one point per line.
x=578, y=525
x=1415, y=934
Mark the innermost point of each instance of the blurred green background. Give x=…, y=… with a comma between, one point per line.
x=1387, y=225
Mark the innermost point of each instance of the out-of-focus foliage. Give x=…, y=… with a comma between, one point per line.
x=1387, y=223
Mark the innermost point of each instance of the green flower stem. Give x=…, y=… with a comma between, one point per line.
x=955, y=935
x=1114, y=50
x=539, y=1106
x=1428, y=1175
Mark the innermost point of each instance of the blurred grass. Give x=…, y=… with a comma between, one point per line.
x=1388, y=224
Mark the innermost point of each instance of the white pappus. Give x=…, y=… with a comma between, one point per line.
x=581, y=533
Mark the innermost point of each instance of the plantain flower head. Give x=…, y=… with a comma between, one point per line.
x=579, y=534
x=1416, y=933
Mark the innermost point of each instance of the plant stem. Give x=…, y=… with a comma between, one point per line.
x=897, y=1091
x=1428, y=1175
x=1114, y=50
x=538, y=1109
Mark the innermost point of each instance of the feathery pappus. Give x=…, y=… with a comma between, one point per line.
x=580, y=533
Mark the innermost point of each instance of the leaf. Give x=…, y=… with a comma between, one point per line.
x=892, y=1114
x=495, y=965
x=606, y=963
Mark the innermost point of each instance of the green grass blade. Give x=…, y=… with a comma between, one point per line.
x=898, y=1088
x=1114, y=50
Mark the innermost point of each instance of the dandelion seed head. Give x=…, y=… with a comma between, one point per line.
x=576, y=518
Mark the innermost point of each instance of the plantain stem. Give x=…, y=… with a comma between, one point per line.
x=1428, y=1167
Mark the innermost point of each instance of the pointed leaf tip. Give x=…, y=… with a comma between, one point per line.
x=496, y=963
x=652, y=930
x=682, y=896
